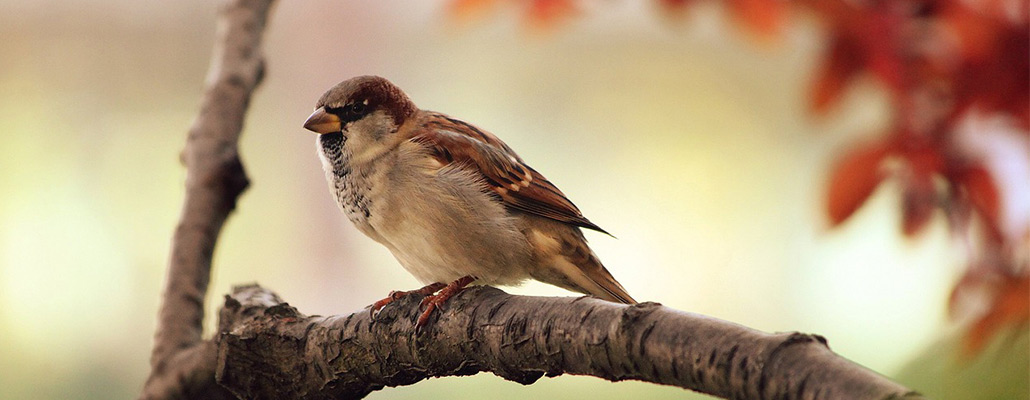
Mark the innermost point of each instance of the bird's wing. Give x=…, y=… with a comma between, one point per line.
x=518, y=185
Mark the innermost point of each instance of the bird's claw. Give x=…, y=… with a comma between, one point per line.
x=399, y=294
x=437, y=301
x=432, y=300
x=431, y=305
x=376, y=307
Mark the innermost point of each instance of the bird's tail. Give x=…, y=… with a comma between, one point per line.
x=566, y=261
x=605, y=285
x=582, y=267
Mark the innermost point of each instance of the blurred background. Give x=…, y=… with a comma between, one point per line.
x=766, y=164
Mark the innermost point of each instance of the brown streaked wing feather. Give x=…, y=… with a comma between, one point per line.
x=518, y=185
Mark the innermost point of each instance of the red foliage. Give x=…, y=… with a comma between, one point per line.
x=538, y=15
x=982, y=193
x=835, y=74
x=860, y=41
x=854, y=179
x=1009, y=307
x=546, y=14
x=940, y=61
x=763, y=17
x=993, y=72
x=468, y=9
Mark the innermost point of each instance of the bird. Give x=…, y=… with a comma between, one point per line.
x=452, y=202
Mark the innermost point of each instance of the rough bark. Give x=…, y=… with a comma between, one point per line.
x=279, y=353
x=214, y=180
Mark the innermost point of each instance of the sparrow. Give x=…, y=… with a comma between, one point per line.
x=452, y=202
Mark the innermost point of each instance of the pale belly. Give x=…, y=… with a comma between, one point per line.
x=437, y=222
x=445, y=230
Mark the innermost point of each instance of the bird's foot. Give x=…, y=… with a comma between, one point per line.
x=435, y=301
x=398, y=294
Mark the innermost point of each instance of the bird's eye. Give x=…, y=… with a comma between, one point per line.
x=356, y=109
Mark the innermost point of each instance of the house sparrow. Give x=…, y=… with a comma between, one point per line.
x=452, y=202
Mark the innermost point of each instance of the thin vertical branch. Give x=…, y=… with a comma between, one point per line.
x=214, y=177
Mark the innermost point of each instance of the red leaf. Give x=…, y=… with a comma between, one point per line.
x=1010, y=306
x=838, y=69
x=469, y=9
x=996, y=79
x=977, y=183
x=881, y=37
x=854, y=178
x=763, y=17
x=975, y=32
x=547, y=14
x=923, y=156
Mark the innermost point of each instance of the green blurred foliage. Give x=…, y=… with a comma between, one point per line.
x=999, y=372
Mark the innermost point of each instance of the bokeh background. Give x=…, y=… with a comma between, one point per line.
x=691, y=141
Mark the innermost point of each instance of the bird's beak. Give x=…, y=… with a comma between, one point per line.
x=322, y=122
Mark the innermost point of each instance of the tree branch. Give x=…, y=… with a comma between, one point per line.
x=214, y=180
x=276, y=352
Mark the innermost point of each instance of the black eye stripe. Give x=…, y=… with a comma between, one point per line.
x=349, y=112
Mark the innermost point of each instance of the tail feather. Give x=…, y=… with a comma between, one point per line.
x=605, y=285
x=582, y=267
x=566, y=261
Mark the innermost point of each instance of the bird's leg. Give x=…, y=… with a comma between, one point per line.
x=432, y=302
x=398, y=294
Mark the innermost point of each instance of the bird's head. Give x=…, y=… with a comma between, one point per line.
x=365, y=110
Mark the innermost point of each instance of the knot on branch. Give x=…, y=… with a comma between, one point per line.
x=231, y=176
x=246, y=303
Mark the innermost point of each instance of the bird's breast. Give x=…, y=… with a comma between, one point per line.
x=439, y=221
x=350, y=184
x=354, y=197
